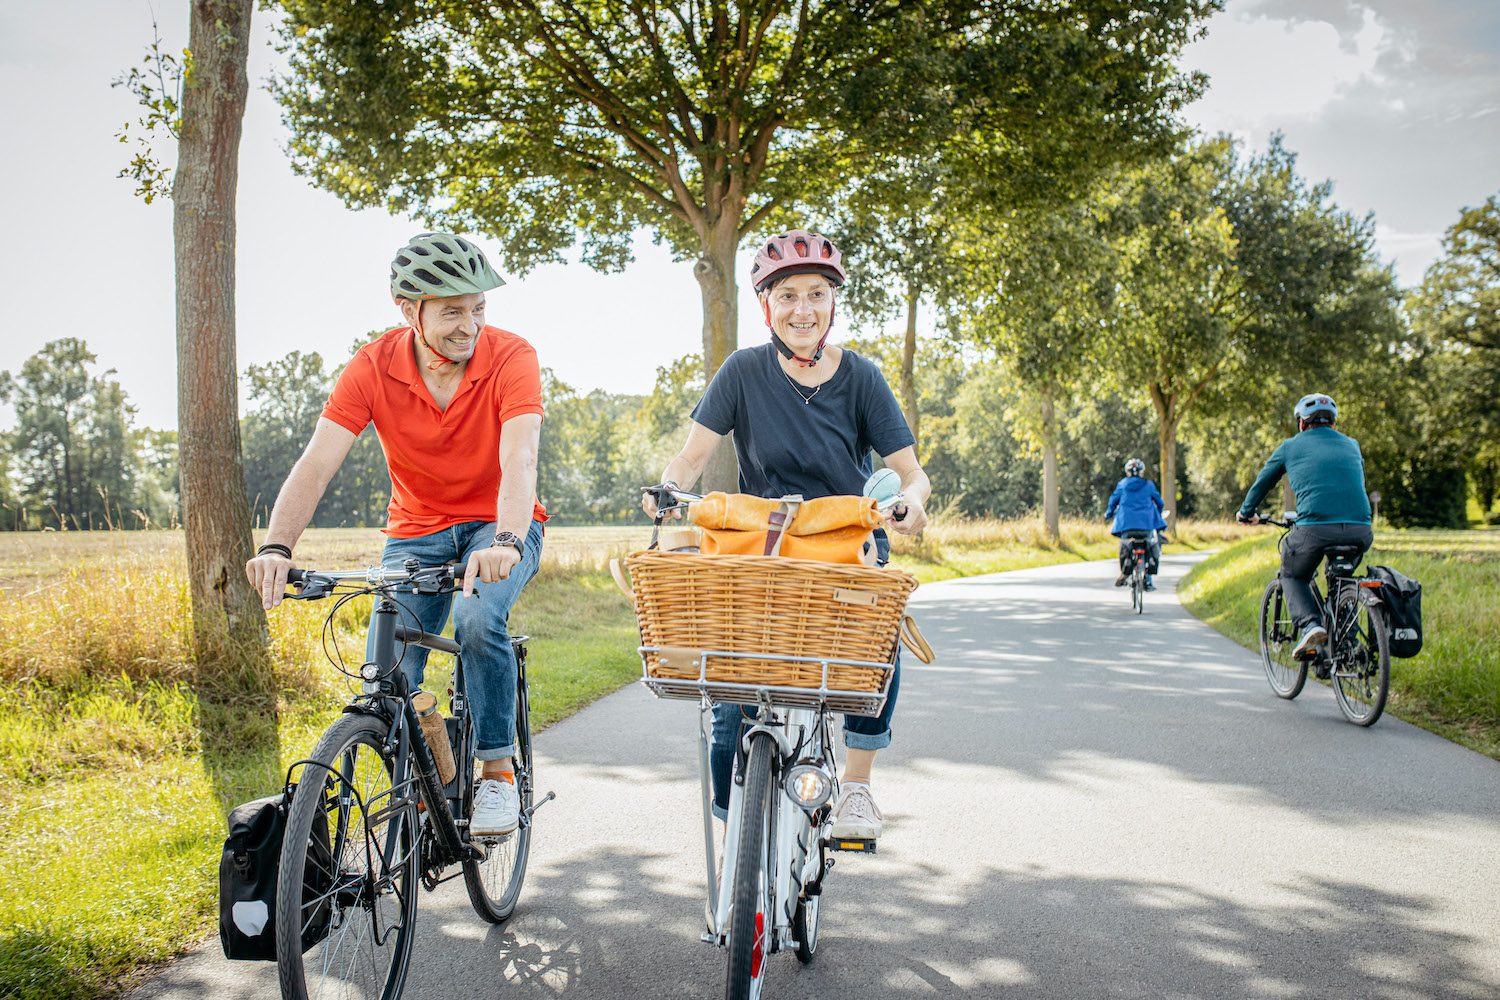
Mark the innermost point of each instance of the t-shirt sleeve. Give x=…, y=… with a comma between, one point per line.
x=520, y=384
x=719, y=409
x=349, y=403
x=885, y=426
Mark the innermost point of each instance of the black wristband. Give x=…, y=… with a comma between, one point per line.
x=274, y=547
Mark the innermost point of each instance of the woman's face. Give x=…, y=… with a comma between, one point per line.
x=800, y=309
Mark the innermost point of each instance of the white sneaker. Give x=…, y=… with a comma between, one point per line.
x=1307, y=647
x=857, y=816
x=497, y=808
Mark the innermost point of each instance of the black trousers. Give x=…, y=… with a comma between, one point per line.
x=1301, y=552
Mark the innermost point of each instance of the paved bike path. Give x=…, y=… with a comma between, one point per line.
x=1080, y=802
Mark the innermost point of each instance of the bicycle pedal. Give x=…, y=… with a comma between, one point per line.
x=856, y=845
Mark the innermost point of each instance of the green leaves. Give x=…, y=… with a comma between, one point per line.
x=157, y=85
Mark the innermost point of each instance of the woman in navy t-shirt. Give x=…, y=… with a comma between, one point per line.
x=806, y=418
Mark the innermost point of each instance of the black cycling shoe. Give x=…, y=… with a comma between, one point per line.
x=1150, y=584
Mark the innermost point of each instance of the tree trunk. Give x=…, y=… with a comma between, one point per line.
x=908, y=370
x=1050, y=490
x=715, y=273
x=1167, y=420
x=229, y=627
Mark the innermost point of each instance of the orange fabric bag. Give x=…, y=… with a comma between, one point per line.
x=828, y=529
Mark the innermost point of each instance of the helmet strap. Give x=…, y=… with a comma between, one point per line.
x=787, y=352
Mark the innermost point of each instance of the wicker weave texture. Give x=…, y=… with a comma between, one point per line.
x=770, y=604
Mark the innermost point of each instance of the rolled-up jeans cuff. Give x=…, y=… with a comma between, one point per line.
x=867, y=741
x=498, y=754
x=720, y=813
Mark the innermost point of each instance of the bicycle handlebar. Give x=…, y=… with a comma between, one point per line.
x=313, y=584
x=893, y=505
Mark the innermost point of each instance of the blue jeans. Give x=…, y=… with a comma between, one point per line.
x=861, y=732
x=480, y=625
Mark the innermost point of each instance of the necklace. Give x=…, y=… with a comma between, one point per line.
x=798, y=389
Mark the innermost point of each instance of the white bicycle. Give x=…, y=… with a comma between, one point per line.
x=777, y=842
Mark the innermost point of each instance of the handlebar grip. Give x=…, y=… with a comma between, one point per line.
x=296, y=575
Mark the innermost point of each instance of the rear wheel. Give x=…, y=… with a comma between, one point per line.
x=1278, y=636
x=494, y=884
x=1138, y=587
x=1361, y=659
x=752, y=916
x=346, y=893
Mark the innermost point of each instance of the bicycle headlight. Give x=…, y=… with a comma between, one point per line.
x=370, y=671
x=809, y=785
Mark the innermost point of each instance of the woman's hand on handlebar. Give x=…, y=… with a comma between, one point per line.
x=1251, y=518
x=654, y=498
x=907, y=518
x=267, y=573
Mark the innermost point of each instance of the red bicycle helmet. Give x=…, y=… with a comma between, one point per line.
x=796, y=252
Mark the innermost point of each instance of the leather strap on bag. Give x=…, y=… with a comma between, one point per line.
x=780, y=520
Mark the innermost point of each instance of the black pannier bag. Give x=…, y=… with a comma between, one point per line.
x=1401, y=597
x=247, y=878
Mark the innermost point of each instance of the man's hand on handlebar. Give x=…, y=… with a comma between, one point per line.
x=267, y=574
x=1251, y=518
x=490, y=565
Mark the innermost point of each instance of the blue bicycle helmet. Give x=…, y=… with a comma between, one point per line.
x=1314, y=405
x=1135, y=467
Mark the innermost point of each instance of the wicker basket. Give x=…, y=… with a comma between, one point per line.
x=768, y=605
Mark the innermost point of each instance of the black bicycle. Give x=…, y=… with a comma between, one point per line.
x=1140, y=557
x=1355, y=658
x=381, y=805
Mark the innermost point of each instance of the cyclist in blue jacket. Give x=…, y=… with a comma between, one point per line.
x=1136, y=506
x=1327, y=473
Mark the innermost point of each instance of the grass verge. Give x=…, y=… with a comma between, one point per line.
x=1453, y=687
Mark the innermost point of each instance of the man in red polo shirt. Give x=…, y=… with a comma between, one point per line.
x=458, y=408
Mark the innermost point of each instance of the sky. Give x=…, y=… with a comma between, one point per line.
x=1396, y=101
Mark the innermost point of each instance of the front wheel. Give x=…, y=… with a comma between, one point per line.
x=346, y=892
x=1361, y=659
x=1278, y=637
x=751, y=919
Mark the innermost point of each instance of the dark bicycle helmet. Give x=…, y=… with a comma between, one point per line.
x=437, y=265
x=1135, y=467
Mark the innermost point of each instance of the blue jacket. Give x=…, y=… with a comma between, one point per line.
x=1136, y=506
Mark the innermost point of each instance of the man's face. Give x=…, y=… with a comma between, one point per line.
x=451, y=325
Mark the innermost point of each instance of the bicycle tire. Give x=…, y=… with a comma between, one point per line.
x=1138, y=588
x=358, y=947
x=494, y=884
x=1278, y=636
x=805, y=923
x=752, y=915
x=1361, y=659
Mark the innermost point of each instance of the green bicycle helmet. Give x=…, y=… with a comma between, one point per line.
x=437, y=265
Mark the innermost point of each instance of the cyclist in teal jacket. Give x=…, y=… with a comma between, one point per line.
x=1327, y=473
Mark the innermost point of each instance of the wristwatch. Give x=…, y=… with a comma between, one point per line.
x=509, y=538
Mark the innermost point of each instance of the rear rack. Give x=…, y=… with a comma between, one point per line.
x=702, y=689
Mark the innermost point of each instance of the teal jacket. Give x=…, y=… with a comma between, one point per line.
x=1327, y=473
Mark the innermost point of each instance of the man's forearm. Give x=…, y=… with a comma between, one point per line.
x=516, y=507
x=295, y=505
